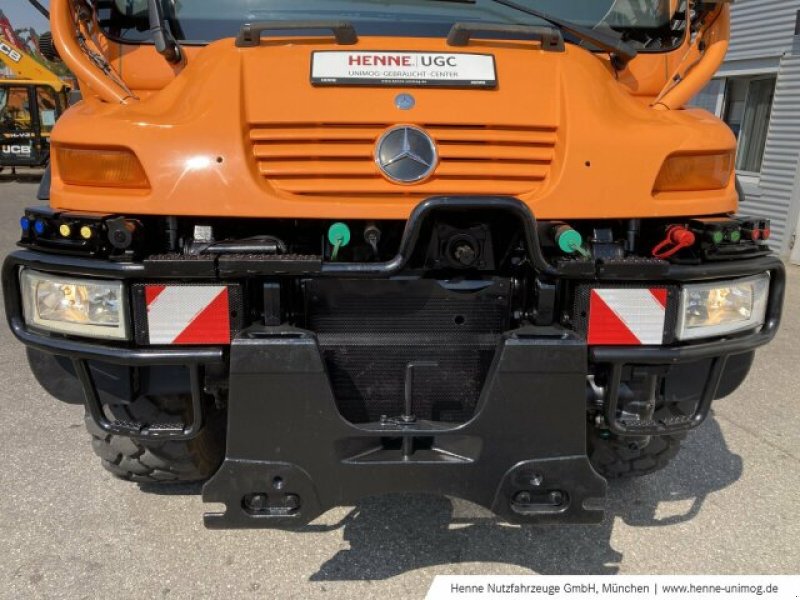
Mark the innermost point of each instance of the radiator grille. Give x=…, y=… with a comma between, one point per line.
x=422, y=307
x=335, y=159
x=370, y=330
x=367, y=374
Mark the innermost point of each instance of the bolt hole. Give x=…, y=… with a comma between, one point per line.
x=234, y=314
x=278, y=483
x=588, y=163
x=459, y=320
x=220, y=159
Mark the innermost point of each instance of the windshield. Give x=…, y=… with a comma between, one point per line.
x=648, y=24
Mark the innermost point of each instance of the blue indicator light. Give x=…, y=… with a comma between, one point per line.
x=25, y=223
x=39, y=227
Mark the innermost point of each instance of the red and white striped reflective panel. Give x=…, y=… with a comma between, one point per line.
x=627, y=317
x=188, y=314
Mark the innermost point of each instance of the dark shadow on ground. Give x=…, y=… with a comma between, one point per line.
x=391, y=535
x=172, y=489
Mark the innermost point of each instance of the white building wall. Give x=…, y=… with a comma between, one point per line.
x=774, y=197
x=763, y=41
x=761, y=28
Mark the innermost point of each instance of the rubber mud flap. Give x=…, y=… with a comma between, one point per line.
x=291, y=456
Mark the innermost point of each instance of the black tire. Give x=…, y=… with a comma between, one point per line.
x=160, y=462
x=617, y=458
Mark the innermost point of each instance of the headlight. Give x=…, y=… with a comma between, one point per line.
x=92, y=308
x=720, y=308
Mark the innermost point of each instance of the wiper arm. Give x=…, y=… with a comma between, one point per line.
x=165, y=43
x=40, y=7
x=621, y=52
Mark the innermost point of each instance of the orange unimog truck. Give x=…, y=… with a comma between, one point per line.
x=309, y=252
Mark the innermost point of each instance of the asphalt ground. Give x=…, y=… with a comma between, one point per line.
x=727, y=505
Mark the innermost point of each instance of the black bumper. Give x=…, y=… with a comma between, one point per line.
x=131, y=272
x=291, y=456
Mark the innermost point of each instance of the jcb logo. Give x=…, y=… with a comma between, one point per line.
x=10, y=52
x=17, y=149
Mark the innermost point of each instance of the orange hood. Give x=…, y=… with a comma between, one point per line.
x=243, y=132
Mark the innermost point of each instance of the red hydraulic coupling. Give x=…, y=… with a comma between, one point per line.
x=678, y=238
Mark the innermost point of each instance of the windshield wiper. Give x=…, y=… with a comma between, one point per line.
x=621, y=52
x=40, y=7
x=165, y=43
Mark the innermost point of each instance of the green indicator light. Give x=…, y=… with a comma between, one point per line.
x=717, y=237
x=735, y=235
x=339, y=237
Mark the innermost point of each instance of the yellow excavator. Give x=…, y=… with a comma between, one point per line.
x=32, y=98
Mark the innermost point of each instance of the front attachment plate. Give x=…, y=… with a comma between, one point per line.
x=291, y=456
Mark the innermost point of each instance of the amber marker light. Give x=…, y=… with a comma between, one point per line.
x=695, y=172
x=101, y=167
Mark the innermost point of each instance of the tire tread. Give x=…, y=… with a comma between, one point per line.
x=158, y=462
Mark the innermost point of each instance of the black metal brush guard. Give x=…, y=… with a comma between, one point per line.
x=676, y=424
x=160, y=431
x=291, y=456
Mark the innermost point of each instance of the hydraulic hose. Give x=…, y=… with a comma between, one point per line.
x=74, y=56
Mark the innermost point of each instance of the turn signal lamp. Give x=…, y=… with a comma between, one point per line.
x=695, y=172
x=100, y=167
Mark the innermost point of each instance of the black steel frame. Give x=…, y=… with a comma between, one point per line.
x=615, y=357
x=82, y=352
x=291, y=455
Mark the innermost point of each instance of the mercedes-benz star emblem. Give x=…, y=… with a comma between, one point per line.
x=406, y=154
